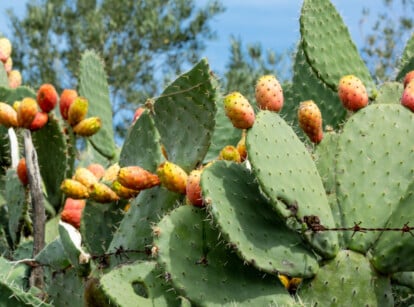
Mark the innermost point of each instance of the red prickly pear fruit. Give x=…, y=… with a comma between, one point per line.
x=352, y=93
x=8, y=115
x=239, y=110
x=77, y=110
x=74, y=189
x=408, y=77
x=39, y=121
x=8, y=65
x=22, y=172
x=97, y=169
x=310, y=120
x=47, y=97
x=15, y=79
x=138, y=113
x=66, y=99
x=86, y=177
x=5, y=49
x=230, y=153
x=269, y=93
x=72, y=211
x=122, y=191
x=407, y=98
x=137, y=178
x=88, y=126
x=101, y=193
x=172, y=177
x=193, y=188
x=241, y=147
x=26, y=112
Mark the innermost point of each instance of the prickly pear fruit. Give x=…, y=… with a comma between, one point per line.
x=111, y=173
x=137, y=178
x=86, y=177
x=352, y=93
x=407, y=98
x=22, y=172
x=74, y=189
x=230, y=153
x=5, y=49
x=122, y=191
x=39, y=121
x=66, y=99
x=47, y=97
x=172, y=177
x=101, y=193
x=269, y=93
x=241, y=147
x=72, y=211
x=408, y=77
x=239, y=110
x=8, y=116
x=8, y=65
x=97, y=169
x=15, y=78
x=193, y=188
x=310, y=120
x=138, y=113
x=77, y=110
x=88, y=126
x=26, y=112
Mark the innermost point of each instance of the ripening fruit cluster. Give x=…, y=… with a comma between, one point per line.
x=14, y=76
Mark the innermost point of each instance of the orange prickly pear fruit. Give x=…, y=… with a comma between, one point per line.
x=5, y=49
x=8, y=116
x=74, y=189
x=86, y=177
x=269, y=93
x=310, y=120
x=26, y=112
x=193, y=188
x=72, y=211
x=66, y=99
x=241, y=147
x=408, y=77
x=97, y=169
x=39, y=121
x=172, y=177
x=138, y=113
x=407, y=98
x=101, y=193
x=239, y=110
x=77, y=110
x=15, y=78
x=22, y=172
x=123, y=192
x=352, y=93
x=47, y=97
x=230, y=153
x=88, y=126
x=137, y=178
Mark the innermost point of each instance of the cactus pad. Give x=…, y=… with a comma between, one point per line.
x=3, y=77
x=390, y=92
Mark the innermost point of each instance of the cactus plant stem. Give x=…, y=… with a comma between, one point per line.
x=14, y=147
x=38, y=213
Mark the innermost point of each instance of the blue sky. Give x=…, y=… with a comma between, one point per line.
x=272, y=23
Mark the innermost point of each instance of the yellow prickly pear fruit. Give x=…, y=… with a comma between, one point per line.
x=111, y=173
x=8, y=116
x=5, y=49
x=88, y=126
x=310, y=120
x=101, y=193
x=172, y=177
x=74, y=189
x=122, y=191
x=230, y=153
x=26, y=112
x=15, y=78
x=77, y=110
x=86, y=177
x=241, y=147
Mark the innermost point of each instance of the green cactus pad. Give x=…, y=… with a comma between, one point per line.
x=184, y=116
x=4, y=81
x=94, y=86
x=390, y=92
x=135, y=230
x=404, y=279
x=98, y=225
x=65, y=288
x=53, y=255
x=287, y=175
x=142, y=145
x=208, y=274
x=373, y=169
x=328, y=45
x=249, y=224
x=406, y=62
x=393, y=250
x=53, y=154
x=118, y=285
x=15, y=195
x=347, y=280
